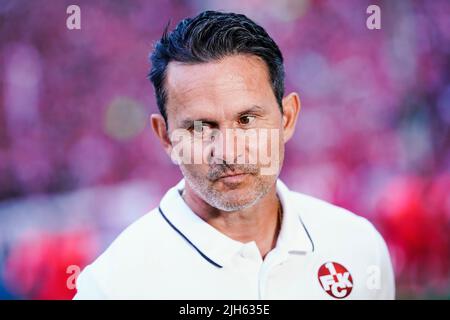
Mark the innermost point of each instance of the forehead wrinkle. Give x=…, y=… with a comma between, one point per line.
x=217, y=86
x=232, y=69
x=210, y=105
x=192, y=85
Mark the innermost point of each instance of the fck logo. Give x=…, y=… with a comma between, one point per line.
x=335, y=279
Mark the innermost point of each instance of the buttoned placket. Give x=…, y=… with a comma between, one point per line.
x=250, y=261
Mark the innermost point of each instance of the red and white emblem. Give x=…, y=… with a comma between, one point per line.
x=335, y=279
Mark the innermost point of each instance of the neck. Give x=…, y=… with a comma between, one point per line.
x=259, y=223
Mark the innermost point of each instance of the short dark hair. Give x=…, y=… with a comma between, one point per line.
x=210, y=36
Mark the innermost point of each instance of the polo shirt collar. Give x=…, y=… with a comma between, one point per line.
x=218, y=248
x=294, y=236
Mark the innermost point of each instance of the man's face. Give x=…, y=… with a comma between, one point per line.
x=215, y=105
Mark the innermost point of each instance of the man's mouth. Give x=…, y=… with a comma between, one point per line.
x=233, y=177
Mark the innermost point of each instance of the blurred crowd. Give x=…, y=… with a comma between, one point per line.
x=78, y=161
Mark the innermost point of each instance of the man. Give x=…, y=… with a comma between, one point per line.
x=230, y=229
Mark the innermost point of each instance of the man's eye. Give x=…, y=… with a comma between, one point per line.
x=200, y=128
x=246, y=119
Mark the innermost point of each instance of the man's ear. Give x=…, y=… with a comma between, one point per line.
x=160, y=129
x=291, y=109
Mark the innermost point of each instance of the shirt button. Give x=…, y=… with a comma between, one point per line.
x=251, y=252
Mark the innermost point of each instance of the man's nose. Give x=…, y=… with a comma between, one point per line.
x=224, y=146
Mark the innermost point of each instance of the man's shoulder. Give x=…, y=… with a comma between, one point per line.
x=321, y=209
x=139, y=233
x=135, y=249
x=341, y=235
x=328, y=221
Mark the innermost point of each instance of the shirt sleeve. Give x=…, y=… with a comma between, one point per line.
x=386, y=290
x=87, y=287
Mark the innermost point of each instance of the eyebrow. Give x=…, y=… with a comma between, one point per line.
x=253, y=109
x=190, y=122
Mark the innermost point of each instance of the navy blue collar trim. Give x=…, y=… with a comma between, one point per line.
x=189, y=241
x=204, y=255
x=307, y=233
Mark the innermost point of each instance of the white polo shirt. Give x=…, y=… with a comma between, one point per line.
x=322, y=252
